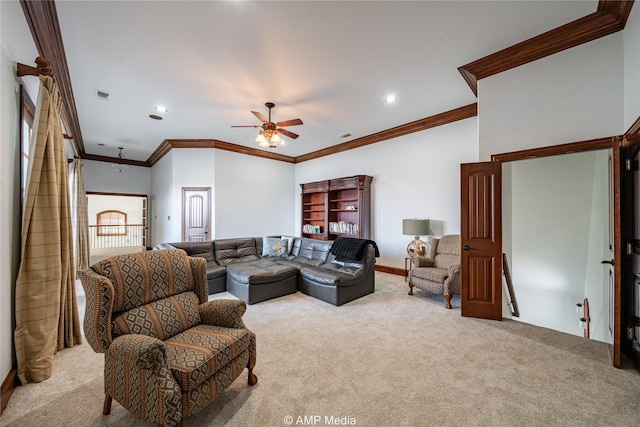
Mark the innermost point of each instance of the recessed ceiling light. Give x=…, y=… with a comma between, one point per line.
x=161, y=109
x=155, y=117
x=390, y=99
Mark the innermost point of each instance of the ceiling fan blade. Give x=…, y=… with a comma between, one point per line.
x=260, y=116
x=292, y=122
x=288, y=133
x=246, y=126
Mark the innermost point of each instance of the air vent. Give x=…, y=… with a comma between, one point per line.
x=102, y=95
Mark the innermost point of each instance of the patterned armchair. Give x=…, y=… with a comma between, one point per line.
x=168, y=352
x=439, y=272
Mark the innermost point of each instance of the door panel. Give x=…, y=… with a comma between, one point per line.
x=196, y=208
x=481, y=240
x=615, y=271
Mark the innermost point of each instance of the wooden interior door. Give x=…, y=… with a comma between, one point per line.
x=196, y=214
x=481, y=240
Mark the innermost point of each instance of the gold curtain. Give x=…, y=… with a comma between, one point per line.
x=79, y=217
x=46, y=309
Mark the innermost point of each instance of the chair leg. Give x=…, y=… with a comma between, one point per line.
x=106, y=408
x=252, y=379
x=447, y=297
x=410, y=288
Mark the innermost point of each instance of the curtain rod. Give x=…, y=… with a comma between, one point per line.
x=43, y=68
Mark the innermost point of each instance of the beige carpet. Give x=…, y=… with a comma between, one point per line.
x=384, y=360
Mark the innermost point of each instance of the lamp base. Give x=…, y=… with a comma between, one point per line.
x=417, y=248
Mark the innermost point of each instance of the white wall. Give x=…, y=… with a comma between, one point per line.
x=631, y=36
x=416, y=175
x=597, y=278
x=16, y=46
x=132, y=206
x=101, y=177
x=571, y=96
x=253, y=196
x=559, y=230
x=161, y=200
x=192, y=167
x=574, y=95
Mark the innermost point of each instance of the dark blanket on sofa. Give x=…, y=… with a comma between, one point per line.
x=350, y=249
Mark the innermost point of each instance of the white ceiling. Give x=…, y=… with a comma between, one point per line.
x=330, y=63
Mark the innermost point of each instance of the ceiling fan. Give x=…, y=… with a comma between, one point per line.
x=268, y=135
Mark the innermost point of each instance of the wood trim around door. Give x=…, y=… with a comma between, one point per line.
x=184, y=213
x=555, y=150
x=614, y=143
x=616, y=347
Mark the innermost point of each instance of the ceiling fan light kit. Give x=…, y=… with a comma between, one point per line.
x=269, y=135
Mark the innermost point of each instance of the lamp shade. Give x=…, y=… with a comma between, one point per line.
x=416, y=227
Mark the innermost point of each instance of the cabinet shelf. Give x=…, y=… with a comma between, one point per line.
x=324, y=204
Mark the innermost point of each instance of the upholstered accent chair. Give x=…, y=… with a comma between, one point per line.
x=168, y=352
x=439, y=271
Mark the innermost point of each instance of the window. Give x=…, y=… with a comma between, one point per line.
x=112, y=223
x=26, y=126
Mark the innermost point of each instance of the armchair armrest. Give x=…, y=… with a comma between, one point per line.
x=421, y=261
x=141, y=351
x=199, y=272
x=100, y=295
x=223, y=312
x=137, y=375
x=454, y=269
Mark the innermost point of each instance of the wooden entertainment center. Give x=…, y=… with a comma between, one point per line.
x=337, y=207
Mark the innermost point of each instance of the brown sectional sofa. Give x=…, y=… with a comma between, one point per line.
x=239, y=266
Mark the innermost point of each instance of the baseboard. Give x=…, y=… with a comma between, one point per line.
x=6, y=390
x=390, y=270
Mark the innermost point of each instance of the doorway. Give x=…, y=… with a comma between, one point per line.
x=196, y=214
x=556, y=233
x=619, y=296
x=117, y=224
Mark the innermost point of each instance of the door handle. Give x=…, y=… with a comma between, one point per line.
x=466, y=247
x=607, y=262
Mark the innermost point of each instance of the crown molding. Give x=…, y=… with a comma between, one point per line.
x=42, y=18
x=461, y=113
x=108, y=159
x=169, y=144
x=450, y=116
x=610, y=17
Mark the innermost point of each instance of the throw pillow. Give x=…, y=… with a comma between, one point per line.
x=289, y=240
x=274, y=246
